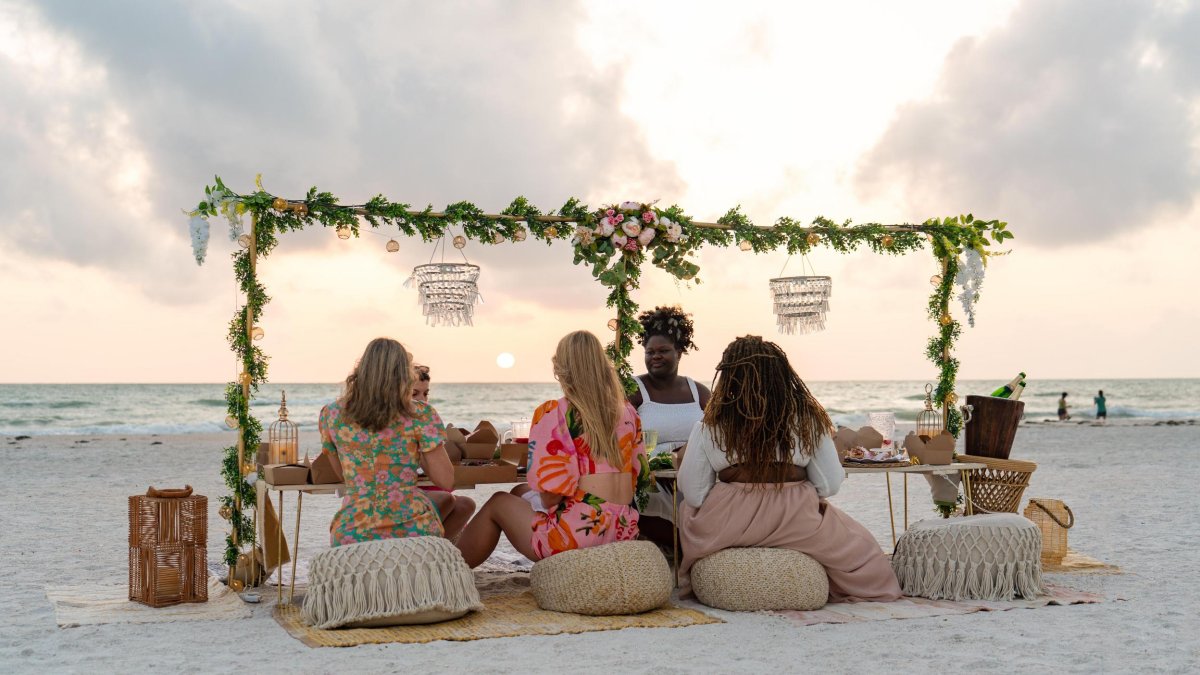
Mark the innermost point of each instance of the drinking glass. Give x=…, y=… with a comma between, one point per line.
x=884, y=423
x=650, y=438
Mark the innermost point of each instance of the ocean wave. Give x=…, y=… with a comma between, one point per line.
x=52, y=405
x=211, y=402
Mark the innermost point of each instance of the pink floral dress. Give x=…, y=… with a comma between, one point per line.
x=560, y=458
x=382, y=500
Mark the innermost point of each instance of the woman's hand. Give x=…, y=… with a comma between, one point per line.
x=437, y=466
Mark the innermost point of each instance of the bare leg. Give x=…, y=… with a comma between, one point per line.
x=457, y=519
x=520, y=489
x=502, y=513
x=444, y=501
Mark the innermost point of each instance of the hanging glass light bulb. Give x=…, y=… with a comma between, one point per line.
x=460, y=241
x=519, y=235
x=393, y=246
x=257, y=333
x=343, y=232
x=745, y=245
x=244, y=241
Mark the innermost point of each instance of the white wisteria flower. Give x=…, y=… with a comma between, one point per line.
x=198, y=226
x=970, y=278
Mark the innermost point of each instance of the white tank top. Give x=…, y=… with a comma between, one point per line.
x=672, y=421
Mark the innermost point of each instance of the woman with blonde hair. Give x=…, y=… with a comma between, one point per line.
x=381, y=437
x=758, y=470
x=588, y=459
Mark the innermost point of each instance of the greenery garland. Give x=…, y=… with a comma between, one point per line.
x=614, y=263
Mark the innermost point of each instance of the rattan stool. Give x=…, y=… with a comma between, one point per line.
x=998, y=488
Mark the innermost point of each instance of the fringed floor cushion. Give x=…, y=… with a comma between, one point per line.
x=627, y=577
x=389, y=582
x=987, y=557
x=754, y=579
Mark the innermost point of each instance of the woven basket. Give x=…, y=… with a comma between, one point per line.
x=168, y=539
x=626, y=577
x=1053, y=518
x=998, y=488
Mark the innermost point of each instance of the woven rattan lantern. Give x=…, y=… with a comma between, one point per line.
x=448, y=292
x=800, y=303
x=284, y=437
x=929, y=421
x=168, y=543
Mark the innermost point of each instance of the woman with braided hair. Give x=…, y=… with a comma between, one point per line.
x=759, y=468
x=667, y=403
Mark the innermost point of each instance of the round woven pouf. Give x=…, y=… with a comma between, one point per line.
x=389, y=582
x=628, y=577
x=752, y=579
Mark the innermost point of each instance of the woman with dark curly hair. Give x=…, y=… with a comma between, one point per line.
x=758, y=470
x=668, y=403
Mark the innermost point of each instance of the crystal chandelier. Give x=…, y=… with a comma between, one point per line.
x=447, y=291
x=800, y=303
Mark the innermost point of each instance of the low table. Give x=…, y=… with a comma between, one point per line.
x=261, y=489
x=963, y=469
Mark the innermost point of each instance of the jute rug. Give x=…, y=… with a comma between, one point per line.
x=918, y=608
x=506, y=615
x=1078, y=563
x=91, y=605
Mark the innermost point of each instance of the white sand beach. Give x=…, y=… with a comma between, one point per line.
x=1133, y=490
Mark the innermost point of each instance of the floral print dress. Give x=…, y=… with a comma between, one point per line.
x=382, y=500
x=561, y=457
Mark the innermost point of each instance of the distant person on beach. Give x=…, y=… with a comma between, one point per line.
x=588, y=460
x=759, y=469
x=382, y=437
x=668, y=403
x=1062, y=408
x=454, y=510
x=1101, y=410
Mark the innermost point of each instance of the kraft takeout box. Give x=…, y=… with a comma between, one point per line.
x=286, y=474
x=937, y=450
x=515, y=452
x=471, y=472
x=482, y=442
x=326, y=470
x=455, y=440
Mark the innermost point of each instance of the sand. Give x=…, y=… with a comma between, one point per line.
x=1133, y=489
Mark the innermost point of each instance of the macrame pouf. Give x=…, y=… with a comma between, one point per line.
x=389, y=582
x=987, y=557
x=753, y=579
x=627, y=577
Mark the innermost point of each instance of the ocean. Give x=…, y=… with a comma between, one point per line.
x=48, y=409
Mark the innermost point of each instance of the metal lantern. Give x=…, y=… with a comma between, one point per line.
x=800, y=303
x=929, y=421
x=284, y=437
x=448, y=292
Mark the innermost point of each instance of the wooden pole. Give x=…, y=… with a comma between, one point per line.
x=245, y=382
x=566, y=219
x=945, y=352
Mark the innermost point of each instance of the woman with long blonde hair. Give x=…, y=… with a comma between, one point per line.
x=588, y=458
x=758, y=470
x=381, y=436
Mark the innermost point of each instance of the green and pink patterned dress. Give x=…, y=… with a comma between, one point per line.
x=382, y=500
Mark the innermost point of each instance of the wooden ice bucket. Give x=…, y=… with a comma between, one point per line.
x=993, y=426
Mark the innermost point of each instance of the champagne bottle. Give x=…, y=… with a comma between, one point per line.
x=1016, y=394
x=1007, y=390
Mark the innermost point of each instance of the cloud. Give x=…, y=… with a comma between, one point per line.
x=115, y=117
x=1075, y=119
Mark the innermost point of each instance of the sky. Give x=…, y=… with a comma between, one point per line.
x=1076, y=121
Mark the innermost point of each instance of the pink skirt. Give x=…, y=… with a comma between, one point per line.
x=788, y=516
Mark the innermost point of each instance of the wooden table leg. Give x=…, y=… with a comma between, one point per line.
x=675, y=531
x=968, y=506
x=279, y=547
x=891, y=512
x=295, y=545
